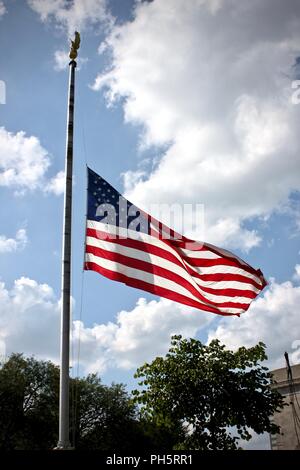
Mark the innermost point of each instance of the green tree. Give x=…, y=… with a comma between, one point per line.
x=104, y=415
x=28, y=403
x=217, y=395
x=101, y=417
x=107, y=419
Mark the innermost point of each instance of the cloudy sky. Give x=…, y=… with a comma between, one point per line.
x=176, y=102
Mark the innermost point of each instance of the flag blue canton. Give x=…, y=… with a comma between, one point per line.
x=107, y=205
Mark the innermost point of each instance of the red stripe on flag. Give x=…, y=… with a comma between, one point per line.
x=159, y=271
x=153, y=289
x=228, y=290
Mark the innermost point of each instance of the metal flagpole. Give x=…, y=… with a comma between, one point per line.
x=64, y=441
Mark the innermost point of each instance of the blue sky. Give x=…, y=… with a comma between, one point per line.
x=176, y=102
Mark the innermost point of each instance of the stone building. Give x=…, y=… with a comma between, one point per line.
x=288, y=384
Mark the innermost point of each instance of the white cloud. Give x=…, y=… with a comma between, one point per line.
x=143, y=333
x=2, y=8
x=29, y=321
x=56, y=184
x=61, y=59
x=272, y=318
x=296, y=275
x=8, y=245
x=24, y=163
x=211, y=81
x=138, y=335
x=72, y=15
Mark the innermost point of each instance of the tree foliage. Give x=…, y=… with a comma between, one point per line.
x=105, y=416
x=28, y=403
x=217, y=395
x=101, y=417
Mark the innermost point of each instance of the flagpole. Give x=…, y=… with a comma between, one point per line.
x=64, y=438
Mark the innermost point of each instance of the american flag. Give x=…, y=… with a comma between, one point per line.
x=125, y=244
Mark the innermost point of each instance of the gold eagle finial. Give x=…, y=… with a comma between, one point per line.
x=74, y=46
